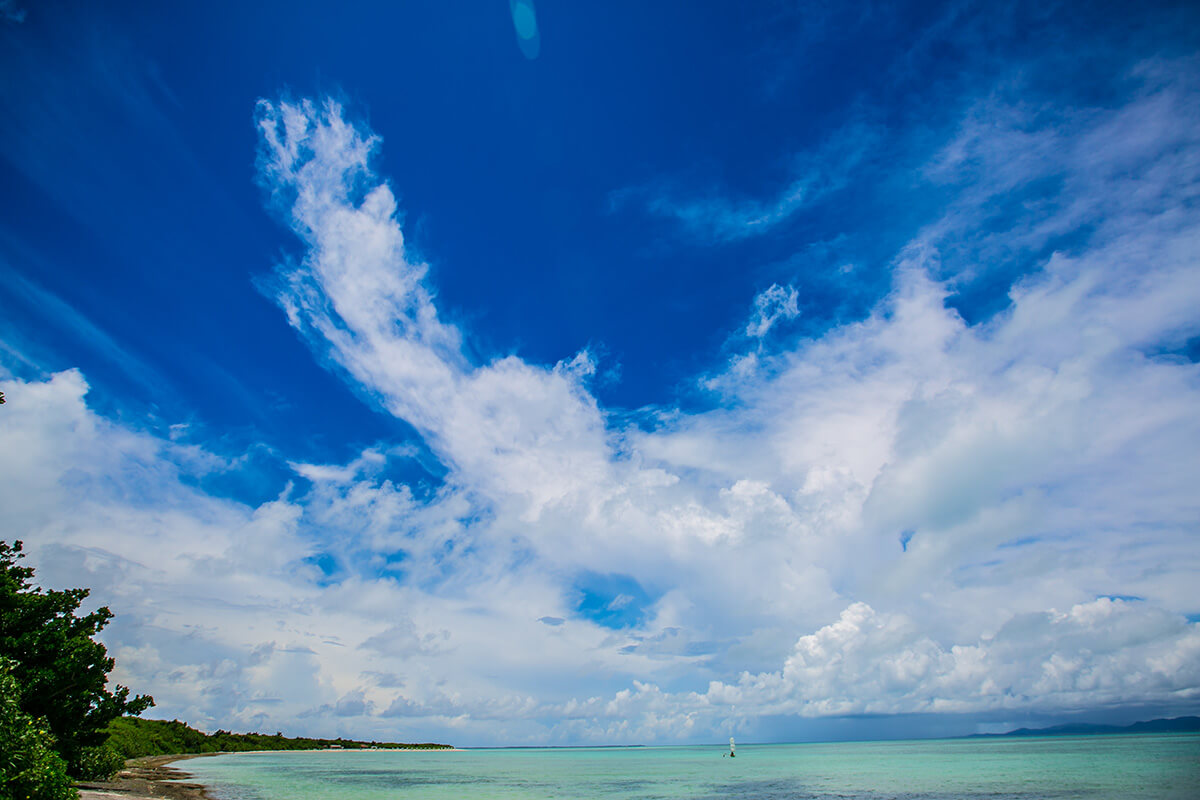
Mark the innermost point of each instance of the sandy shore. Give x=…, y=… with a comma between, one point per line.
x=150, y=777
x=146, y=779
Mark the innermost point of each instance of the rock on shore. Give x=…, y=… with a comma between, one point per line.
x=147, y=778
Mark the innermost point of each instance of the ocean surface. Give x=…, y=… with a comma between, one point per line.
x=1146, y=767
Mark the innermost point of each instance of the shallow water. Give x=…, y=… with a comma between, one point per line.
x=1094, y=767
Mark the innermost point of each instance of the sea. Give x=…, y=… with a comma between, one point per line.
x=1126, y=767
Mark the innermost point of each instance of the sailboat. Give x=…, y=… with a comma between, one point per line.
x=731, y=753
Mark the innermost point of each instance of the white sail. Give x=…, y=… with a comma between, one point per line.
x=731, y=745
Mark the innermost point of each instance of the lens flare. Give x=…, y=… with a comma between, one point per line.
x=525, y=22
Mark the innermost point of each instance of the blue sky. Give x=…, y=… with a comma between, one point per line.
x=700, y=370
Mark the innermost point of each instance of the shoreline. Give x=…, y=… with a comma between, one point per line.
x=148, y=778
x=151, y=777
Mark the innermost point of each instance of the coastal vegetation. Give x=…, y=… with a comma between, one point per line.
x=59, y=718
x=29, y=765
x=133, y=738
x=54, y=684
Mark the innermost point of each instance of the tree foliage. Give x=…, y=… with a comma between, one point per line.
x=29, y=766
x=61, y=671
x=133, y=738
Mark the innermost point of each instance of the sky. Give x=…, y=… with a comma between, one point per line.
x=514, y=373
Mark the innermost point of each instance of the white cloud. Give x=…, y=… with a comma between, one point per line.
x=535, y=433
x=1099, y=653
x=770, y=306
x=1033, y=463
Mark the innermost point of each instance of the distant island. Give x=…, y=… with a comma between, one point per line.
x=133, y=737
x=1176, y=725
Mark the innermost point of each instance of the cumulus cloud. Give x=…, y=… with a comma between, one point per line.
x=911, y=513
x=1099, y=653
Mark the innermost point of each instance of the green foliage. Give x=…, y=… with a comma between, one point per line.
x=30, y=769
x=60, y=669
x=133, y=738
x=99, y=763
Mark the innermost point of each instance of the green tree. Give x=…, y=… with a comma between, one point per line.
x=61, y=671
x=29, y=767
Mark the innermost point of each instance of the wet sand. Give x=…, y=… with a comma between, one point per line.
x=146, y=778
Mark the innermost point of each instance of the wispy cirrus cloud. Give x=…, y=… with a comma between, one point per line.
x=721, y=216
x=364, y=305
x=773, y=304
x=57, y=312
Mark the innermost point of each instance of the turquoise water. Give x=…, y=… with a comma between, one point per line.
x=1100, y=767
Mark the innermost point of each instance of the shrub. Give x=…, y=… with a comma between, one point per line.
x=99, y=763
x=29, y=766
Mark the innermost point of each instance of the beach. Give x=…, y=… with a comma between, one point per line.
x=145, y=779
x=152, y=777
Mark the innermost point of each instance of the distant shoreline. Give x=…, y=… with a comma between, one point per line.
x=1174, y=725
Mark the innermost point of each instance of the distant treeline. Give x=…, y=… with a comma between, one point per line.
x=1176, y=725
x=133, y=737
